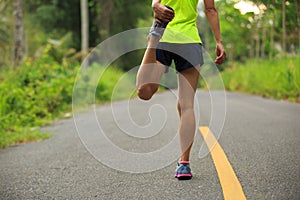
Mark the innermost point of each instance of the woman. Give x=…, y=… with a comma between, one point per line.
x=180, y=42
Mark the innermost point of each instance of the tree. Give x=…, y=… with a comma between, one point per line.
x=56, y=18
x=235, y=26
x=18, y=32
x=284, y=26
x=6, y=37
x=84, y=27
x=298, y=22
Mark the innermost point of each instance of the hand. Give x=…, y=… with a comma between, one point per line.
x=220, y=52
x=162, y=13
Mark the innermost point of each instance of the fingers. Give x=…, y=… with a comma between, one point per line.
x=220, y=59
x=168, y=14
x=158, y=20
x=221, y=55
x=162, y=13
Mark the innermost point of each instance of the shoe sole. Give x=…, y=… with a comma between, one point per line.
x=184, y=176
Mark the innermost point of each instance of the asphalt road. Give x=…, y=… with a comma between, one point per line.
x=261, y=139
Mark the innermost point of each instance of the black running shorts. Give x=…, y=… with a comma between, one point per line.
x=184, y=55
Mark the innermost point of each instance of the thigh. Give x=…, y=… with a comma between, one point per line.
x=187, y=85
x=150, y=73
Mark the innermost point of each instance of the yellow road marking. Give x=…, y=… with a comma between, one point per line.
x=232, y=189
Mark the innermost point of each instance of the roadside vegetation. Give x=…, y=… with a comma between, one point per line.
x=43, y=42
x=39, y=92
x=278, y=78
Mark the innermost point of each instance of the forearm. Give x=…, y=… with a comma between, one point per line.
x=213, y=19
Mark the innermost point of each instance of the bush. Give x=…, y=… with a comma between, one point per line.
x=278, y=78
x=36, y=93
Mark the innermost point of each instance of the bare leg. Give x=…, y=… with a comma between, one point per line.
x=187, y=85
x=150, y=72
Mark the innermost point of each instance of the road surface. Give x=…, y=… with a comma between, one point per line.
x=261, y=139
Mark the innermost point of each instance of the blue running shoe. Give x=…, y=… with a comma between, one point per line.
x=183, y=171
x=158, y=29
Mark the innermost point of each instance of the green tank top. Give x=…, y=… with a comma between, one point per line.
x=183, y=28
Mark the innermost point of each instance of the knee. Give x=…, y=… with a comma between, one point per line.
x=185, y=107
x=145, y=92
x=178, y=107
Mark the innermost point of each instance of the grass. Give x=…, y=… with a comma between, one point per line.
x=278, y=78
x=8, y=138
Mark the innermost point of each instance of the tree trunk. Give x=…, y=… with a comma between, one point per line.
x=18, y=33
x=283, y=26
x=263, y=44
x=257, y=47
x=257, y=44
x=84, y=28
x=271, y=41
x=273, y=19
x=252, y=42
x=104, y=19
x=298, y=22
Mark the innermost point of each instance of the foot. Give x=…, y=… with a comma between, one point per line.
x=158, y=29
x=183, y=171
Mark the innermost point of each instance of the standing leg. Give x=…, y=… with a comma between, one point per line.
x=187, y=85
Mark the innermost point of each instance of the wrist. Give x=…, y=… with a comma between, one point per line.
x=219, y=41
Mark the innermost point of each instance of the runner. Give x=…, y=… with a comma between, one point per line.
x=174, y=36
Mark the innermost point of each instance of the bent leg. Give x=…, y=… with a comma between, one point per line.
x=187, y=85
x=150, y=73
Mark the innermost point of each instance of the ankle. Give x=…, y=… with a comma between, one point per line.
x=184, y=159
x=184, y=162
